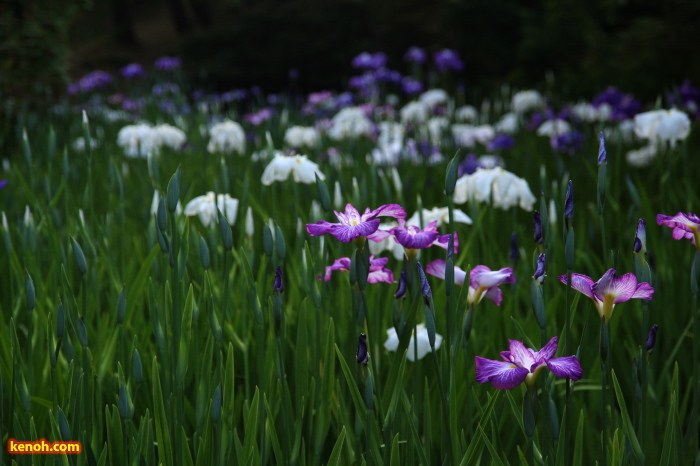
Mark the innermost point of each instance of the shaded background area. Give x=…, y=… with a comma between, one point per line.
x=641, y=46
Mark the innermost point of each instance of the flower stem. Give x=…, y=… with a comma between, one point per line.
x=604, y=368
x=694, y=274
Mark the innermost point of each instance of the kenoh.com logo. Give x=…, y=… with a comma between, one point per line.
x=43, y=447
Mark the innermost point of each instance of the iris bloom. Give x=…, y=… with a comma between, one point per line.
x=483, y=282
x=299, y=166
x=521, y=364
x=421, y=341
x=377, y=272
x=412, y=237
x=610, y=290
x=353, y=224
x=684, y=226
x=206, y=206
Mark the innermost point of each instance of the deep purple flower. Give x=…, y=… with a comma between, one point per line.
x=90, y=82
x=362, y=354
x=387, y=76
x=353, y=225
x=521, y=364
x=3, y=183
x=167, y=63
x=412, y=237
x=278, y=285
x=610, y=290
x=483, y=282
x=170, y=88
x=369, y=61
x=468, y=166
x=567, y=143
x=514, y=247
x=686, y=97
x=569, y=202
x=132, y=70
x=651, y=339
x=415, y=55
x=377, y=272
x=623, y=106
x=448, y=60
x=640, y=236
x=538, y=227
x=401, y=289
x=424, y=285
x=684, y=226
x=539, y=271
x=411, y=85
x=501, y=142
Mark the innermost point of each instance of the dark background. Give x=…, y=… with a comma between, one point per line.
x=645, y=47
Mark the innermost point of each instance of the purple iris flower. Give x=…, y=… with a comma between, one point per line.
x=567, y=143
x=538, y=227
x=686, y=97
x=539, y=271
x=167, y=63
x=411, y=85
x=401, y=289
x=259, y=117
x=362, y=354
x=388, y=76
x=377, y=272
x=369, y=61
x=468, y=166
x=278, y=285
x=684, y=226
x=521, y=364
x=412, y=237
x=624, y=106
x=602, y=153
x=90, y=82
x=483, y=282
x=610, y=290
x=3, y=183
x=415, y=55
x=651, y=338
x=353, y=224
x=132, y=70
x=448, y=60
x=501, y=142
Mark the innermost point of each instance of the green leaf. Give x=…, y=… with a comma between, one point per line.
x=334, y=459
x=352, y=386
x=626, y=422
x=165, y=451
x=251, y=428
x=578, y=445
x=115, y=440
x=395, y=452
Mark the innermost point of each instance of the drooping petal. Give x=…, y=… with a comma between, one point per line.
x=277, y=170
x=494, y=294
x=392, y=341
x=568, y=366
x=321, y=228
x=502, y=375
x=580, y=283
x=684, y=225
x=444, y=240
x=410, y=239
x=483, y=277
x=437, y=269
x=644, y=291
x=380, y=275
x=520, y=355
x=342, y=264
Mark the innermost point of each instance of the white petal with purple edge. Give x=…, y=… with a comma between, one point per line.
x=568, y=366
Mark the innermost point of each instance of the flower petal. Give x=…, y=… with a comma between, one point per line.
x=494, y=294
x=621, y=288
x=321, y=228
x=568, y=366
x=644, y=291
x=346, y=233
x=389, y=210
x=581, y=283
x=502, y=375
x=392, y=341
x=547, y=351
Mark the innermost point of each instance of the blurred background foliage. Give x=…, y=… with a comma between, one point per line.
x=641, y=46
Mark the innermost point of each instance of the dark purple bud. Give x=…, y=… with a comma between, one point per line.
x=424, y=285
x=514, y=247
x=278, y=286
x=602, y=155
x=569, y=202
x=539, y=271
x=362, y=354
x=401, y=290
x=640, y=237
x=538, y=227
x=651, y=339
